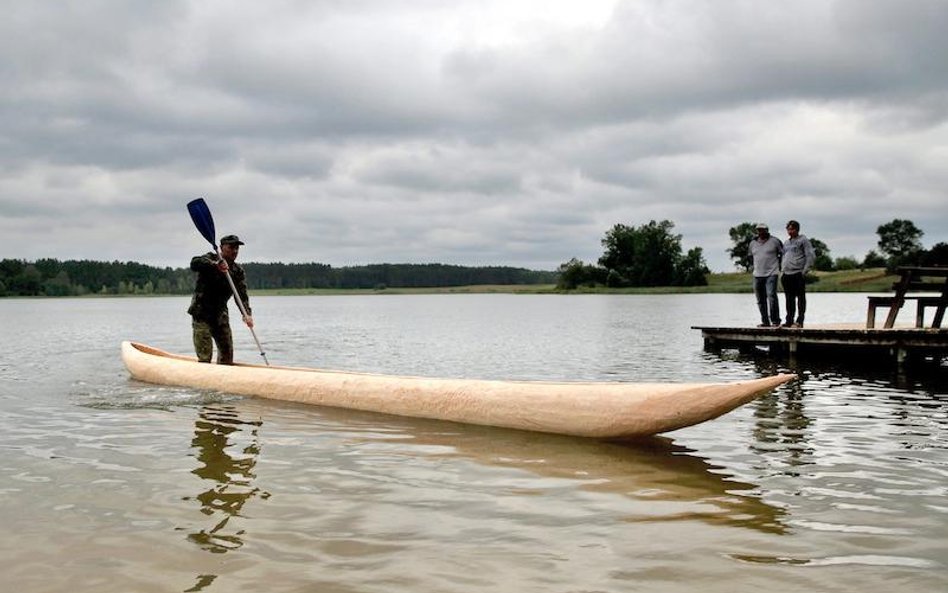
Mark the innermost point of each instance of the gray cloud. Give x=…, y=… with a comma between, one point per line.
x=471, y=132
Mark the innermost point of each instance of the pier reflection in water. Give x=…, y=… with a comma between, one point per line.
x=912, y=398
x=227, y=449
x=852, y=443
x=782, y=424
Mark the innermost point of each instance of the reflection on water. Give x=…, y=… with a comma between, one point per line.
x=817, y=439
x=227, y=448
x=204, y=581
x=834, y=482
x=677, y=484
x=914, y=398
x=782, y=424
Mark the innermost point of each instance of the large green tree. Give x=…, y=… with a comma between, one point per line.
x=648, y=255
x=576, y=273
x=900, y=240
x=741, y=236
x=936, y=256
x=692, y=269
x=873, y=260
x=823, y=262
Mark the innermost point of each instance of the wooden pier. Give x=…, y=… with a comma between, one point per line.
x=901, y=344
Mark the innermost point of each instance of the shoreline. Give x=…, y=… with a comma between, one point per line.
x=874, y=280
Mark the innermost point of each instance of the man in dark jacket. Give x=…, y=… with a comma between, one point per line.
x=798, y=259
x=208, y=310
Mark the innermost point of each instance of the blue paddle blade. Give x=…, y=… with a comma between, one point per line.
x=201, y=215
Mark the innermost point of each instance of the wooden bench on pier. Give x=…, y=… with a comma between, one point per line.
x=913, y=279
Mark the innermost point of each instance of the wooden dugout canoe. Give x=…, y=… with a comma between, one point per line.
x=586, y=409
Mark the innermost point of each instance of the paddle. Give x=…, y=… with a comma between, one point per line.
x=201, y=215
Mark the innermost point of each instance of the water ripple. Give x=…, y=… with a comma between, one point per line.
x=114, y=485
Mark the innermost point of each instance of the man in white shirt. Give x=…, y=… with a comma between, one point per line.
x=766, y=252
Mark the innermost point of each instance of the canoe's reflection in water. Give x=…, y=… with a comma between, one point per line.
x=653, y=469
x=674, y=483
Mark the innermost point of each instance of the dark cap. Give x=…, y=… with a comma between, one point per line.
x=793, y=224
x=231, y=240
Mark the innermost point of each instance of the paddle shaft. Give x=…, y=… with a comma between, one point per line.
x=243, y=310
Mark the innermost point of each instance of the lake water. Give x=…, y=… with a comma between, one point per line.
x=835, y=482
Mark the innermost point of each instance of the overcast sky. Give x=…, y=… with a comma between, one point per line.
x=474, y=132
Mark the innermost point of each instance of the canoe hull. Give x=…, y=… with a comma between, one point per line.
x=597, y=410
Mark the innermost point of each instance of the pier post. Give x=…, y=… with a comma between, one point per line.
x=901, y=356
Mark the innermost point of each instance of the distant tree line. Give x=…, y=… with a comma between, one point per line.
x=899, y=243
x=646, y=255
x=381, y=276
x=51, y=277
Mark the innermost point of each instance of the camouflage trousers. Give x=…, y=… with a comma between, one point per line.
x=206, y=333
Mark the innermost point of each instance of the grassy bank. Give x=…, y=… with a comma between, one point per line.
x=870, y=280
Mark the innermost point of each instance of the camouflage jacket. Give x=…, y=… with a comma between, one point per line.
x=211, y=289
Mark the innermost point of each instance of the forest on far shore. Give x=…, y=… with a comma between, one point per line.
x=648, y=255
x=52, y=277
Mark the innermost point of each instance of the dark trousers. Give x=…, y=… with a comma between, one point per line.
x=765, y=288
x=213, y=331
x=794, y=289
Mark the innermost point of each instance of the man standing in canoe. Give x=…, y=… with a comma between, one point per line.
x=209, y=319
x=766, y=252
